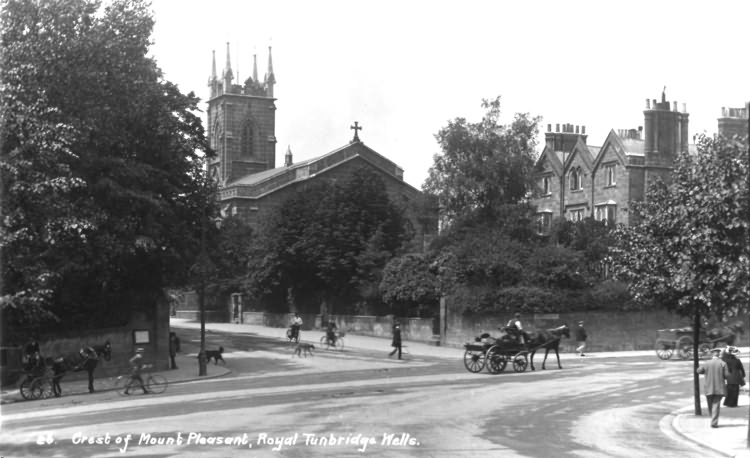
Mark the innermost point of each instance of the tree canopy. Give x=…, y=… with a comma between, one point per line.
x=687, y=249
x=483, y=165
x=329, y=243
x=100, y=163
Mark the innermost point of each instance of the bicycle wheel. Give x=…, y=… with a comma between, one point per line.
x=324, y=342
x=340, y=344
x=156, y=383
x=125, y=383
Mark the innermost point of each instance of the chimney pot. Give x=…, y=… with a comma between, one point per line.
x=557, y=127
x=684, y=107
x=648, y=104
x=549, y=127
x=583, y=130
x=674, y=106
x=578, y=129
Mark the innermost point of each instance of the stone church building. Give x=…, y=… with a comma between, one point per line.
x=241, y=129
x=576, y=180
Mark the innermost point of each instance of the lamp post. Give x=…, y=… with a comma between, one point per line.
x=204, y=269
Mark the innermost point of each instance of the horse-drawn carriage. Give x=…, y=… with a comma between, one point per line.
x=679, y=341
x=494, y=354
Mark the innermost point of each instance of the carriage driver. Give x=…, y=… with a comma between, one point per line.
x=515, y=327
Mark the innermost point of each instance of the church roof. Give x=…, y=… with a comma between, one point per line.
x=261, y=183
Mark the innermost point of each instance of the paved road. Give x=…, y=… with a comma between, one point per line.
x=359, y=402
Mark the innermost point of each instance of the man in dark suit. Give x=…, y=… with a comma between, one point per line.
x=714, y=385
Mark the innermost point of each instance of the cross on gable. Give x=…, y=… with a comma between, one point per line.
x=356, y=127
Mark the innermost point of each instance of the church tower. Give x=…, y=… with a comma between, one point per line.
x=241, y=123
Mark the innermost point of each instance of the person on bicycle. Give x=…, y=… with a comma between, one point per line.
x=136, y=366
x=331, y=332
x=296, y=325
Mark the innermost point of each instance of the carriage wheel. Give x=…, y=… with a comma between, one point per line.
x=41, y=388
x=496, y=361
x=474, y=360
x=685, y=347
x=663, y=349
x=520, y=363
x=25, y=388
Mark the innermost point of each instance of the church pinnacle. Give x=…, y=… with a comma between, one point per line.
x=228, y=75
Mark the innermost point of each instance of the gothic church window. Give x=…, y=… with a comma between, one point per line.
x=248, y=137
x=546, y=190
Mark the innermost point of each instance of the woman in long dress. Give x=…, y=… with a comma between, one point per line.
x=736, y=376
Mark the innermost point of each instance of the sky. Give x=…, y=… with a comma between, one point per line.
x=404, y=68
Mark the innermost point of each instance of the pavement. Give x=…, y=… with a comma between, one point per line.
x=731, y=439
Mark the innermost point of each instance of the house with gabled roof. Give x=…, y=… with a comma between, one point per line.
x=575, y=180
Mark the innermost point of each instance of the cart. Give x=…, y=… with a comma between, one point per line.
x=495, y=354
x=679, y=341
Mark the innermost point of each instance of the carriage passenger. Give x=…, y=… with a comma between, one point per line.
x=515, y=327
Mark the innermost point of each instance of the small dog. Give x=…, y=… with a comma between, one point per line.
x=304, y=348
x=215, y=355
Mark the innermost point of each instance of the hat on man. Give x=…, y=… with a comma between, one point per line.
x=733, y=351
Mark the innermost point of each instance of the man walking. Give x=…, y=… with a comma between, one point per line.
x=715, y=372
x=581, y=338
x=396, y=342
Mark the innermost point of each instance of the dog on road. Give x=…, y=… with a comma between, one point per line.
x=215, y=355
x=303, y=348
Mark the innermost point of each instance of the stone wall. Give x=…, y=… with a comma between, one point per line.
x=123, y=340
x=416, y=329
x=607, y=331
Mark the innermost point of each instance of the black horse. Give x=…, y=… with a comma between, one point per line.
x=87, y=359
x=725, y=334
x=548, y=339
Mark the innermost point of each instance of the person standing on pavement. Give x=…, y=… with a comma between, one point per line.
x=396, y=343
x=174, y=346
x=581, y=337
x=736, y=377
x=716, y=373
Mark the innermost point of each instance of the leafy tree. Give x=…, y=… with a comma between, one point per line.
x=411, y=285
x=483, y=165
x=329, y=243
x=100, y=166
x=687, y=250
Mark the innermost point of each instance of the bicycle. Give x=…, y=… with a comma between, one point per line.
x=154, y=383
x=337, y=344
x=291, y=335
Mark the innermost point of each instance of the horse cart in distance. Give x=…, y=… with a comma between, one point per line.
x=494, y=354
x=680, y=340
